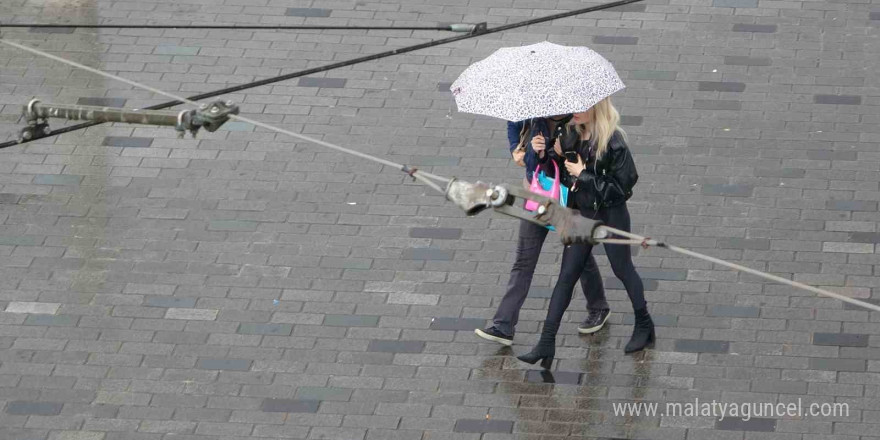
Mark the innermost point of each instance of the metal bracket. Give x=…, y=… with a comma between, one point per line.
x=35, y=130
x=513, y=209
x=479, y=28
x=207, y=116
x=37, y=127
x=474, y=198
x=472, y=29
x=212, y=116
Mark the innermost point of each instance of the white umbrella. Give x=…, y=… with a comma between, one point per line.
x=539, y=80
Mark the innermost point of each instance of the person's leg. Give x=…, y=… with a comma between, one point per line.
x=594, y=291
x=527, y=257
x=573, y=259
x=591, y=283
x=620, y=258
x=528, y=249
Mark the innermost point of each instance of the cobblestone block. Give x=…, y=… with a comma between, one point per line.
x=744, y=243
x=727, y=190
x=698, y=346
x=32, y=307
x=224, y=364
x=19, y=407
x=457, y=323
x=318, y=393
x=715, y=86
x=602, y=39
x=308, y=12
x=351, y=320
x=757, y=28
x=169, y=302
x=656, y=75
x=837, y=364
x=837, y=99
x=746, y=61
x=127, y=142
x=840, y=339
x=52, y=179
x=191, y=314
x=436, y=233
x=52, y=320
x=483, y=426
x=734, y=311
x=755, y=424
x=396, y=346
x=289, y=405
x=631, y=121
x=324, y=83
x=851, y=248
x=265, y=329
x=428, y=254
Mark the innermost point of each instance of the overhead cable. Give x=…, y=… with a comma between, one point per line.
x=432, y=181
x=351, y=62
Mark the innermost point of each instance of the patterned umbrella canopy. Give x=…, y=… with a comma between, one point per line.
x=543, y=79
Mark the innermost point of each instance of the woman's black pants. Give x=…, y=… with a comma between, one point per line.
x=574, y=258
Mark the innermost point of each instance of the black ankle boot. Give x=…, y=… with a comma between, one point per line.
x=643, y=332
x=546, y=348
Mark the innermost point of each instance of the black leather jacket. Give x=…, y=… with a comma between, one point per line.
x=603, y=184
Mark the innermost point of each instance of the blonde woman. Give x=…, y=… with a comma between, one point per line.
x=600, y=173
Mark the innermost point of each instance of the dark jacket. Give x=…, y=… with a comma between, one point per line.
x=537, y=125
x=603, y=184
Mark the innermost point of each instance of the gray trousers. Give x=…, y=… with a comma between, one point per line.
x=528, y=249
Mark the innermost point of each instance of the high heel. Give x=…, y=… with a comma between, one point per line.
x=536, y=355
x=545, y=351
x=643, y=332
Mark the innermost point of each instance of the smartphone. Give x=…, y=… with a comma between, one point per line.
x=571, y=156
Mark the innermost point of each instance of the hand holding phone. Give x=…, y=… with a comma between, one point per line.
x=574, y=165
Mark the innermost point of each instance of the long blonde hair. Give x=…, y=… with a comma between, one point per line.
x=606, y=120
x=524, y=135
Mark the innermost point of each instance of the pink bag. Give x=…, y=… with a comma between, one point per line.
x=553, y=192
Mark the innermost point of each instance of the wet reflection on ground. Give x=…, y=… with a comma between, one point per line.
x=565, y=401
x=640, y=378
x=574, y=398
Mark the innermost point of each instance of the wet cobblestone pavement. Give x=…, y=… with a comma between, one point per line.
x=242, y=285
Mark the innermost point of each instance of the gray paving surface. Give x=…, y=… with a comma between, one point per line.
x=242, y=285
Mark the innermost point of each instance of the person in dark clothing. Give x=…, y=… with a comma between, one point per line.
x=527, y=146
x=600, y=172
